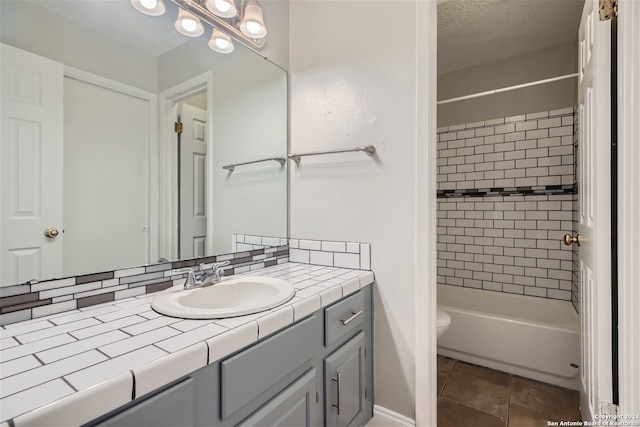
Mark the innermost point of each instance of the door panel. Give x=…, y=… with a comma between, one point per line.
x=31, y=166
x=193, y=198
x=594, y=217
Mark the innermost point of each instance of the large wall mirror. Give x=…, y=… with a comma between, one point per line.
x=94, y=176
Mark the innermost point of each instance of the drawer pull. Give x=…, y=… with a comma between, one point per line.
x=338, y=380
x=353, y=316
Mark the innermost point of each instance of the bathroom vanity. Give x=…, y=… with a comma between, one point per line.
x=314, y=372
x=307, y=362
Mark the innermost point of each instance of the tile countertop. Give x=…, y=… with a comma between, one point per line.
x=71, y=367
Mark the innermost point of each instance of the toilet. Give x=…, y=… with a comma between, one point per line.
x=443, y=322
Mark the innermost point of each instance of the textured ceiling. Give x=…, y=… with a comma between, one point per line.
x=474, y=32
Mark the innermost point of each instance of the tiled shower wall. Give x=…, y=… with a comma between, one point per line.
x=505, y=199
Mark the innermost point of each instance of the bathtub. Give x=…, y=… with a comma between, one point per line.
x=536, y=338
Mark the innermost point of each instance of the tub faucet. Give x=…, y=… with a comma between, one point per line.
x=199, y=278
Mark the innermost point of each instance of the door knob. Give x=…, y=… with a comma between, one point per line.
x=569, y=239
x=51, y=232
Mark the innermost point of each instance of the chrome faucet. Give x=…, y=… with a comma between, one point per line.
x=197, y=279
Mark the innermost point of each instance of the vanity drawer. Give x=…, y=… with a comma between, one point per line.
x=343, y=317
x=253, y=372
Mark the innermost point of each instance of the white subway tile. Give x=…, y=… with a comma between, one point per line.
x=321, y=258
x=101, y=328
x=330, y=295
x=540, y=115
x=46, y=310
x=81, y=407
x=68, y=350
x=49, y=372
x=311, y=244
x=365, y=256
x=16, y=366
x=191, y=337
x=129, y=272
x=346, y=260
x=299, y=255
x=232, y=341
x=32, y=398
x=350, y=286
x=138, y=341
x=274, y=321
x=159, y=372
x=306, y=306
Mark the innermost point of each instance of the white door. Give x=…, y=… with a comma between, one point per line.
x=594, y=217
x=31, y=166
x=193, y=198
x=106, y=178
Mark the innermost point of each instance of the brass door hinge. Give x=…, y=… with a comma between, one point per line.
x=608, y=9
x=178, y=127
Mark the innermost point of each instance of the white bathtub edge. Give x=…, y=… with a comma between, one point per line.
x=572, y=383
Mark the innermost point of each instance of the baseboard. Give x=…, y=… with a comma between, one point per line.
x=391, y=418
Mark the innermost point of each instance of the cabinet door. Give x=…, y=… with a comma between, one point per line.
x=294, y=406
x=172, y=407
x=344, y=377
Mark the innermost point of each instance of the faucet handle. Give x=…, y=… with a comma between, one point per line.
x=220, y=264
x=191, y=277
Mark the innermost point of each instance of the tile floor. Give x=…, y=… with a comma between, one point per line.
x=470, y=395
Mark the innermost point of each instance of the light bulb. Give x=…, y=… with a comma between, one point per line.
x=222, y=8
x=189, y=24
x=149, y=4
x=222, y=43
x=222, y=5
x=253, y=22
x=149, y=7
x=253, y=27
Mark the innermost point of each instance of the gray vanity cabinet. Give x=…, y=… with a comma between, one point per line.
x=344, y=383
x=294, y=406
x=172, y=406
x=318, y=371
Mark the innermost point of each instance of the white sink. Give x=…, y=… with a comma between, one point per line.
x=233, y=296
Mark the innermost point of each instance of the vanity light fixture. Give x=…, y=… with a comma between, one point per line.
x=220, y=42
x=252, y=24
x=222, y=8
x=188, y=24
x=244, y=24
x=149, y=7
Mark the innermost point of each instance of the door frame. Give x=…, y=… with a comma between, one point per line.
x=628, y=205
x=152, y=176
x=168, y=171
x=426, y=396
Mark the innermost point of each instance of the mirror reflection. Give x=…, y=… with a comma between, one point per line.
x=91, y=149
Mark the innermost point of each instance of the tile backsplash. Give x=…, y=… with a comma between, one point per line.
x=37, y=299
x=506, y=191
x=248, y=242
x=331, y=253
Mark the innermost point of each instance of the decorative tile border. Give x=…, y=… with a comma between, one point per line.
x=248, y=242
x=331, y=253
x=38, y=299
x=515, y=191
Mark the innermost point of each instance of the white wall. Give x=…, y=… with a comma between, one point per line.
x=353, y=81
x=543, y=64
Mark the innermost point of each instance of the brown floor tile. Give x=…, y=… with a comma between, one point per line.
x=444, y=369
x=445, y=365
x=556, y=402
x=451, y=414
x=480, y=388
x=525, y=417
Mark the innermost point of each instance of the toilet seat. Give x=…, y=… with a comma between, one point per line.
x=443, y=318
